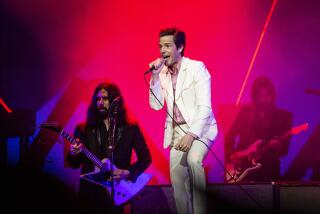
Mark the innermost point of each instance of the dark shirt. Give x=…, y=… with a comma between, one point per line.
x=96, y=139
x=127, y=139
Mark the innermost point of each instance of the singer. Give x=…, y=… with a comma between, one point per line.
x=95, y=135
x=185, y=85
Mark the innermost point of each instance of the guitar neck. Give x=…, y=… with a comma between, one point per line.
x=266, y=145
x=94, y=159
x=285, y=135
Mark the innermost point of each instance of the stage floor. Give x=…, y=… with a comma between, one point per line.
x=277, y=197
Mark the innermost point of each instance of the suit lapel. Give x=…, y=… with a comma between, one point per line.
x=181, y=77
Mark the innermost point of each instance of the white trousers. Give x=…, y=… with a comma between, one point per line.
x=187, y=174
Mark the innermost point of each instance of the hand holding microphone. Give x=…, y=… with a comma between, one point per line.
x=156, y=66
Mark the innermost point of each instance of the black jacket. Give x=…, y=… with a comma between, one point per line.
x=127, y=138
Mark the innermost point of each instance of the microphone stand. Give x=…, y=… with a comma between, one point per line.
x=111, y=148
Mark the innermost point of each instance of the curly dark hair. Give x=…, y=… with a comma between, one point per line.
x=93, y=118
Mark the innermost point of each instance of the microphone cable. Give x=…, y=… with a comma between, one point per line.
x=216, y=157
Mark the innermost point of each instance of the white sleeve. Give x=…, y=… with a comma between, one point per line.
x=157, y=91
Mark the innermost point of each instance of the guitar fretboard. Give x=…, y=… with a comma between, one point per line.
x=96, y=161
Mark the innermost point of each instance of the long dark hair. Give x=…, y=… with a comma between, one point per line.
x=93, y=118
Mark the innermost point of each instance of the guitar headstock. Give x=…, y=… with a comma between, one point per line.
x=54, y=126
x=300, y=128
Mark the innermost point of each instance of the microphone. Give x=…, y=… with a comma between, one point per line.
x=114, y=106
x=150, y=69
x=153, y=67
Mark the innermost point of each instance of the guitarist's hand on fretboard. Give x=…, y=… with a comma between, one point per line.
x=245, y=161
x=124, y=189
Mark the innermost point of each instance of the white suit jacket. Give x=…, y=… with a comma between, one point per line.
x=193, y=98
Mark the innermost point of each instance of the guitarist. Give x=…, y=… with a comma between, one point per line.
x=261, y=123
x=95, y=134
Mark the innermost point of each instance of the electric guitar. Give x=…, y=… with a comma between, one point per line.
x=246, y=161
x=123, y=189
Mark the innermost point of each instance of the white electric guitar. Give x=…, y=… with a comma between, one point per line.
x=124, y=190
